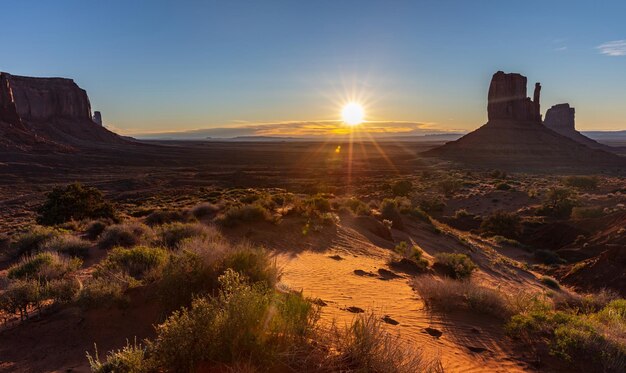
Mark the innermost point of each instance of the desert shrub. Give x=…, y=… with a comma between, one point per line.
x=458, y=266
x=204, y=210
x=501, y=223
x=550, y=282
x=94, y=229
x=130, y=359
x=501, y=240
x=447, y=294
x=408, y=251
x=402, y=188
x=498, y=174
x=171, y=235
x=201, y=261
x=548, y=257
x=32, y=241
x=582, y=182
x=319, y=202
x=22, y=295
x=432, y=204
x=449, y=186
x=461, y=213
x=69, y=245
x=104, y=290
x=137, y=262
x=244, y=214
x=587, y=212
x=503, y=186
x=389, y=210
x=74, y=202
x=365, y=346
x=63, y=290
x=159, y=217
x=357, y=206
x=236, y=325
x=421, y=215
x=125, y=235
x=558, y=202
x=408, y=257
x=43, y=266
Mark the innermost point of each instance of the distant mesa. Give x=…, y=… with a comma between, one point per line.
x=561, y=119
x=515, y=137
x=48, y=114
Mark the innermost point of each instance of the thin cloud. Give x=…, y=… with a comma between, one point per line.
x=613, y=48
x=560, y=49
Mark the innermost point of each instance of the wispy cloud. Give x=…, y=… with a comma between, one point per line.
x=305, y=129
x=560, y=49
x=613, y=48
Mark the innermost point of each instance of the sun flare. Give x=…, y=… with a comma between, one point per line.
x=352, y=114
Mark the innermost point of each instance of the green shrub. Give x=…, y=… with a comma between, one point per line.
x=126, y=235
x=550, y=282
x=402, y=188
x=582, y=182
x=501, y=223
x=171, y=235
x=237, y=325
x=357, y=206
x=458, y=266
x=137, y=262
x=421, y=215
x=63, y=290
x=43, y=266
x=319, y=203
x=104, y=290
x=130, y=359
x=69, y=245
x=22, y=295
x=389, y=210
x=587, y=212
x=74, y=202
x=558, y=202
x=408, y=258
x=159, y=217
x=33, y=241
x=245, y=214
x=449, y=186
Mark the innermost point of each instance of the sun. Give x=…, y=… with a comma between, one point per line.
x=352, y=114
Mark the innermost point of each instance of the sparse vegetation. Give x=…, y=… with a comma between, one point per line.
x=138, y=262
x=586, y=183
x=558, y=202
x=245, y=214
x=74, y=202
x=126, y=235
x=501, y=223
x=68, y=245
x=402, y=188
x=458, y=266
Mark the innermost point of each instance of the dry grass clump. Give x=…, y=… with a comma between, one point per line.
x=125, y=235
x=244, y=214
x=69, y=245
x=44, y=266
x=165, y=216
x=95, y=228
x=447, y=294
x=204, y=210
x=137, y=262
x=171, y=235
x=501, y=223
x=33, y=240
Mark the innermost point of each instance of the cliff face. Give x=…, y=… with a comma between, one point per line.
x=48, y=111
x=507, y=99
x=42, y=99
x=515, y=138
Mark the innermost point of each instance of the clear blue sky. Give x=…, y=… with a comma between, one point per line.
x=174, y=65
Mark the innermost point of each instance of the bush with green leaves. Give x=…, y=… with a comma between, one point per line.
x=95, y=228
x=166, y=216
x=408, y=257
x=69, y=245
x=44, y=266
x=22, y=295
x=402, y=188
x=74, y=202
x=357, y=206
x=244, y=321
x=449, y=185
x=458, y=266
x=32, y=241
x=130, y=359
x=138, y=262
x=586, y=183
x=558, y=202
x=390, y=210
x=501, y=223
x=204, y=210
x=244, y=214
x=172, y=234
x=550, y=282
x=125, y=235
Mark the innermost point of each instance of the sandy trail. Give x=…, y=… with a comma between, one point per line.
x=469, y=343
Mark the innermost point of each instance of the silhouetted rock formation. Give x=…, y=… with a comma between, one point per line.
x=52, y=111
x=515, y=138
x=97, y=118
x=507, y=99
x=561, y=119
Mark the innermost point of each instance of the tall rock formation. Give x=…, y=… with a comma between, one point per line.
x=97, y=118
x=507, y=99
x=561, y=119
x=48, y=110
x=514, y=137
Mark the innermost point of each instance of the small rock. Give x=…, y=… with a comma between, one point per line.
x=434, y=332
x=354, y=309
x=386, y=274
x=360, y=272
x=478, y=350
x=336, y=257
x=319, y=302
x=389, y=320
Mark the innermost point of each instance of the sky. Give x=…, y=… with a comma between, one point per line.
x=276, y=67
